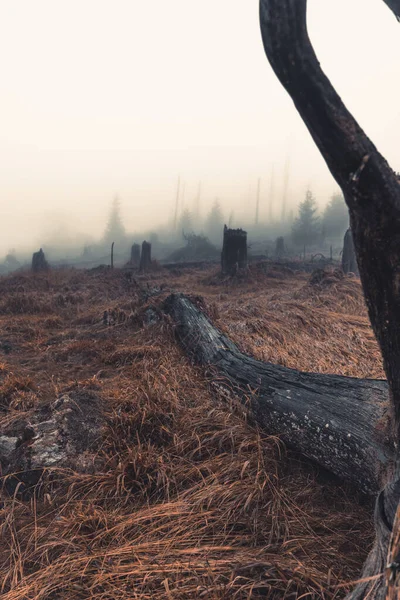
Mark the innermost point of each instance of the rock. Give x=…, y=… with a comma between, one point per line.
x=7, y=446
x=66, y=436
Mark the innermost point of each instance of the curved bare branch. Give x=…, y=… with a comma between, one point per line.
x=370, y=186
x=372, y=193
x=394, y=6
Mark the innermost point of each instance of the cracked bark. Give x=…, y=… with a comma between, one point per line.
x=337, y=422
x=372, y=193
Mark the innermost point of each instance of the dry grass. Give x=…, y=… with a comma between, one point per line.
x=192, y=500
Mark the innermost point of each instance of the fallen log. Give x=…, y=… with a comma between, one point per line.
x=338, y=422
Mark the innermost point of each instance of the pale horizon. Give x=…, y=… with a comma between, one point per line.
x=102, y=98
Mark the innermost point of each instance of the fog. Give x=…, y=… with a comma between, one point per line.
x=105, y=97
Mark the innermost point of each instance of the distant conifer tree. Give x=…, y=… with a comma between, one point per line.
x=115, y=230
x=307, y=227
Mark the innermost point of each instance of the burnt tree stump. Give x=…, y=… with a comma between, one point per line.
x=145, y=258
x=234, y=251
x=135, y=255
x=279, y=247
x=39, y=262
x=349, y=261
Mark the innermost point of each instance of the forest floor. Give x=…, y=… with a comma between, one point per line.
x=188, y=499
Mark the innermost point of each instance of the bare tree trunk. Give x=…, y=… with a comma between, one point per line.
x=271, y=196
x=372, y=193
x=286, y=177
x=145, y=258
x=176, y=212
x=332, y=420
x=349, y=260
x=112, y=255
x=234, y=251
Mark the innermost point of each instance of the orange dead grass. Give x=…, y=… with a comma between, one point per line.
x=189, y=499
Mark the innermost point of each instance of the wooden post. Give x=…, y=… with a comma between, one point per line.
x=234, y=251
x=331, y=254
x=145, y=258
x=286, y=176
x=39, y=262
x=135, y=255
x=271, y=196
x=112, y=255
x=304, y=253
x=349, y=261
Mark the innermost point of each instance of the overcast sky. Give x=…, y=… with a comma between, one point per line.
x=99, y=97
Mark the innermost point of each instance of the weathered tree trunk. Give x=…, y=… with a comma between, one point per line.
x=145, y=258
x=135, y=255
x=372, y=193
x=234, y=251
x=279, y=247
x=335, y=421
x=112, y=255
x=39, y=262
x=349, y=260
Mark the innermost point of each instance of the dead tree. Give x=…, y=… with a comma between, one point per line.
x=331, y=419
x=135, y=255
x=39, y=262
x=279, y=247
x=372, y=194
x=234, y=251
x=349, y=261
x=145, y=257
x=112, y=255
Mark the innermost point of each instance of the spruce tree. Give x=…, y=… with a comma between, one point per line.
x=306, y=229
x=115, y=230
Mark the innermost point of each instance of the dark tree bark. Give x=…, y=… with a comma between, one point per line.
x=112, y=255
x=372, y=193
x=234, y=251
x=279, y=247
x=335, y=421
x=145, y=258
x=349, y=260
x=39, y=262
x=135, y=255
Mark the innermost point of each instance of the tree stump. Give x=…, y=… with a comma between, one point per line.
x=234, y=251
x=145, y=258
x=349, y=261
x=279, y=247
x=135, y=255
x=39, y=262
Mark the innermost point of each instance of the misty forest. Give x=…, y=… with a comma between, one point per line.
x=304, y=233
x=205, y=402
